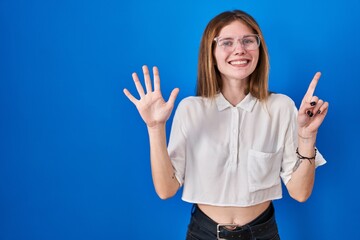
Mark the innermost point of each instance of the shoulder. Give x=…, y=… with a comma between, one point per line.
x=278, y=100
x=192, y=107
x=193, y=102
x=280, y=103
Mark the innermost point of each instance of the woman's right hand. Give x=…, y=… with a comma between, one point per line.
x=152, y=107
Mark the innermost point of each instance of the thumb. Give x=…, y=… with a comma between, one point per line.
x=173, y=96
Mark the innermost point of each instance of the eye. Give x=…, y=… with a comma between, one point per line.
x=249, y=40
x=226, y=42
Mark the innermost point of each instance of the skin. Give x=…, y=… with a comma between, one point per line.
x=234, y=77
x=155, y=111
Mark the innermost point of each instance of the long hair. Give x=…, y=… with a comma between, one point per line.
x=209, y=79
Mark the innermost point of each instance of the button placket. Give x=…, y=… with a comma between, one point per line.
x=234, y=136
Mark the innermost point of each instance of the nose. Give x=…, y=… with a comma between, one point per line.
x=239, y=47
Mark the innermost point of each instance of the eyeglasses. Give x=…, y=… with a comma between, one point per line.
x=248, y=42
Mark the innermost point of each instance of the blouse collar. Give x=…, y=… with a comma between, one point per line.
x=246, y=104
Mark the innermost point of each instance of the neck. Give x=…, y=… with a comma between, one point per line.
x=234, y=91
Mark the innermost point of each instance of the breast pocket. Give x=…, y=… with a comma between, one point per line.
x=263, y=169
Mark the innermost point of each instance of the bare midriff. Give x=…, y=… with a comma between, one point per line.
x=234, y=215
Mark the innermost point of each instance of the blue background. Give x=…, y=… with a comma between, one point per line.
x=74, y=155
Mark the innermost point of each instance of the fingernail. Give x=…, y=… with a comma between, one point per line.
x=309, y=113
x=313, y=103
x=318, y=112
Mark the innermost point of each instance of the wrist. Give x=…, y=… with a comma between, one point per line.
x=303, y=135
x=156, y=128
x=306, y=149
x=307, y=139
x=309, y=154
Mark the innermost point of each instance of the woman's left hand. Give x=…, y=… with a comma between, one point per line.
x=312, y=111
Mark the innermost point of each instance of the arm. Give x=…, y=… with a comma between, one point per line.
x=155, y=112
x=311, y=115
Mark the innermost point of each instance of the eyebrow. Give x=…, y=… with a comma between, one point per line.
x=232, y=37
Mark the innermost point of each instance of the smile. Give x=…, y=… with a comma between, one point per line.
x=239, y=62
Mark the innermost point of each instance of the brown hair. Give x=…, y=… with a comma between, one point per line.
x=209, y=79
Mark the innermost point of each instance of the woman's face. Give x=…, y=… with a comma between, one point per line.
x=235, y=63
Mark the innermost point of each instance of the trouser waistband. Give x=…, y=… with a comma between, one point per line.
x=263, y=223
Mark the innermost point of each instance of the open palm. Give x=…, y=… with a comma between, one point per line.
x=152, y=107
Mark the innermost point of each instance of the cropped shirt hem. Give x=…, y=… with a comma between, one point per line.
x=232, y=204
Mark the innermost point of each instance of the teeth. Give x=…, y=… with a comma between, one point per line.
x=239, y=62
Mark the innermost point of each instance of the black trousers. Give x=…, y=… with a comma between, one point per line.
x=264, y=227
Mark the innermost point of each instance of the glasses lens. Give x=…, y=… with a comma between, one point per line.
x=250, y=42
x=226, y=43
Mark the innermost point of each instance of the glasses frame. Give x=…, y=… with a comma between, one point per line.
x=238, y=39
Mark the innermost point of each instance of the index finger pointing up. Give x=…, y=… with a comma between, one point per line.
x=310, y=92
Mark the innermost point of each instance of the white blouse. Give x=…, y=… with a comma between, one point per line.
x=234, y=156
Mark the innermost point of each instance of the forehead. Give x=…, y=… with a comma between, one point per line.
x=235, y=28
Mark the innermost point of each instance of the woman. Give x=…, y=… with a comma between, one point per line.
x=231, y=144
